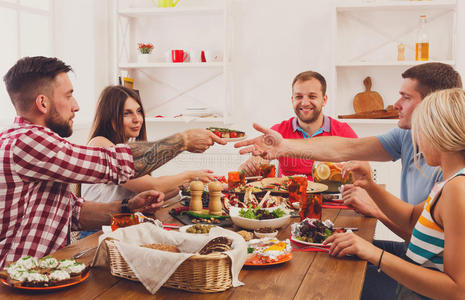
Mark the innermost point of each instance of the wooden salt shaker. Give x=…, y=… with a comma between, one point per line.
x=214, y=190
x=196, y=188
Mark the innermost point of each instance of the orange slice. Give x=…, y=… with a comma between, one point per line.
x=323, y=171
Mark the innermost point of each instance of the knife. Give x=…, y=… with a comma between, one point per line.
x=171, y=226
x=83, y=252
x=346, y=228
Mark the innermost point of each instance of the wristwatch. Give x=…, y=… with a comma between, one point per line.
x=125, y=206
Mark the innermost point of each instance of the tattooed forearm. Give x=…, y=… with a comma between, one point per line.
x=149, y=156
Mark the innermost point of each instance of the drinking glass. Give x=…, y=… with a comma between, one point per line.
x=311, y=206
x=297, y=188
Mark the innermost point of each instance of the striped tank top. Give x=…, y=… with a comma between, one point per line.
x=427, y=242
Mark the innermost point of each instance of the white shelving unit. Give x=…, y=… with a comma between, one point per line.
x=379, y=26
x=168, y=88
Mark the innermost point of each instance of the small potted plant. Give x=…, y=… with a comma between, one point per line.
x=144, y=50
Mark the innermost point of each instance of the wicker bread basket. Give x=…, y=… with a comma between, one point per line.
x=199, y=273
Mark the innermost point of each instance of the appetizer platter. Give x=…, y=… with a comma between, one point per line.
x=47, y=273
x=268, y=251
x=312, y=232
x=229, y=135
x=281, y=184
x=187, y=217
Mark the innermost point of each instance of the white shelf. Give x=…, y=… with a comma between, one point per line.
x=370, y=121
x=171, y=65
x=394, y=5
x=184, y=120
x=146, y=12
x=389, y=63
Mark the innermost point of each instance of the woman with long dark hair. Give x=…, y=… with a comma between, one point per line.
x=120, y=118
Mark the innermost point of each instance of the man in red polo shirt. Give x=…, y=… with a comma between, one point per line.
x=308, y=99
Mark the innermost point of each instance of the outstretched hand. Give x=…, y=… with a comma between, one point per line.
x=146, y=202
x=270, y=145
x=198, y=140
x=203, y=175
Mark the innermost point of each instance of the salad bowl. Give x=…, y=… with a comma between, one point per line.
x=252, y=224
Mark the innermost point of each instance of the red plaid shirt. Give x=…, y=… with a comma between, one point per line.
x=37, y=208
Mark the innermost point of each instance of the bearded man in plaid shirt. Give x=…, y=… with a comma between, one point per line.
x=37, y=208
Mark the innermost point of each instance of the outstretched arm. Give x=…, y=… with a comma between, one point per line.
x=271, y=145
x=149, y=156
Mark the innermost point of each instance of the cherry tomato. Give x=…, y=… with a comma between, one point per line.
x=233, y=134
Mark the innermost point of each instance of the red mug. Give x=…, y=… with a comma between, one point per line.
x=178, y=56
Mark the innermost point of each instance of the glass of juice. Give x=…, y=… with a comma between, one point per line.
x=123, y=220
x=297, y=188
x=311, y=206
x=235, y=179
x=267, y=170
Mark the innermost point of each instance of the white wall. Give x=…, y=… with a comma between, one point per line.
x=82, y=41
x=273, y=41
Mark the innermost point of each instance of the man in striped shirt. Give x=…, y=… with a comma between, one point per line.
x=37, y=208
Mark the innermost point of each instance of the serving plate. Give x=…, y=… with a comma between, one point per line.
x=47, y=288
x=294, y=239
x=184, y=229
x=283, y=259
x=230, y=140
x=312, y=187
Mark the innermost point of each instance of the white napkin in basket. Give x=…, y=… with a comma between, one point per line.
x=153, y=267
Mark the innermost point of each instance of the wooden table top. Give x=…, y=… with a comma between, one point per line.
x=309, y=275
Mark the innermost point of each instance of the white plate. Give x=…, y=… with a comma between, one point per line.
x=307, y=243
x=229, y=140
x=255, y=224
x=184, y=228
x=312, y=187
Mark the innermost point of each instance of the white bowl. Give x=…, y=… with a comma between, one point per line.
x=261, y=235
x=255, y=224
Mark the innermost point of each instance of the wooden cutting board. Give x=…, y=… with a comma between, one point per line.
x=368, y=100
x=388, y=113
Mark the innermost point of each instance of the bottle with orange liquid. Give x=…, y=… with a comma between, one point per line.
x=422, y=44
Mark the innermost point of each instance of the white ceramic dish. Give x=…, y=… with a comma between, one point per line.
x=261, y=235
x=255, y=224
x=229, y=140
x=184, y=228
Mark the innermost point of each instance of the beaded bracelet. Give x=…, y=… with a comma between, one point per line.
x=379, y=262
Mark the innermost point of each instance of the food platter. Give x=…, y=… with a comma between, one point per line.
x=283, y=259
x=279, y=183
x=47, y=288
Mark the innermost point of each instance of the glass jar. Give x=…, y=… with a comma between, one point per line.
x=330, y=173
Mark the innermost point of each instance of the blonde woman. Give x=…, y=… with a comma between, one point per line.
x=435, y=260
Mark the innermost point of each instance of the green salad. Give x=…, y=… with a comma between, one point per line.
x=261, y=214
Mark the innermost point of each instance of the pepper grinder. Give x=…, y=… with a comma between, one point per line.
x=214, y=192
x=196, y=188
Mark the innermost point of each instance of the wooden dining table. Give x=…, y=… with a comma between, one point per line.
x=308, y=275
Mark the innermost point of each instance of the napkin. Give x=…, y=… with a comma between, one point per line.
x=153, y=267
